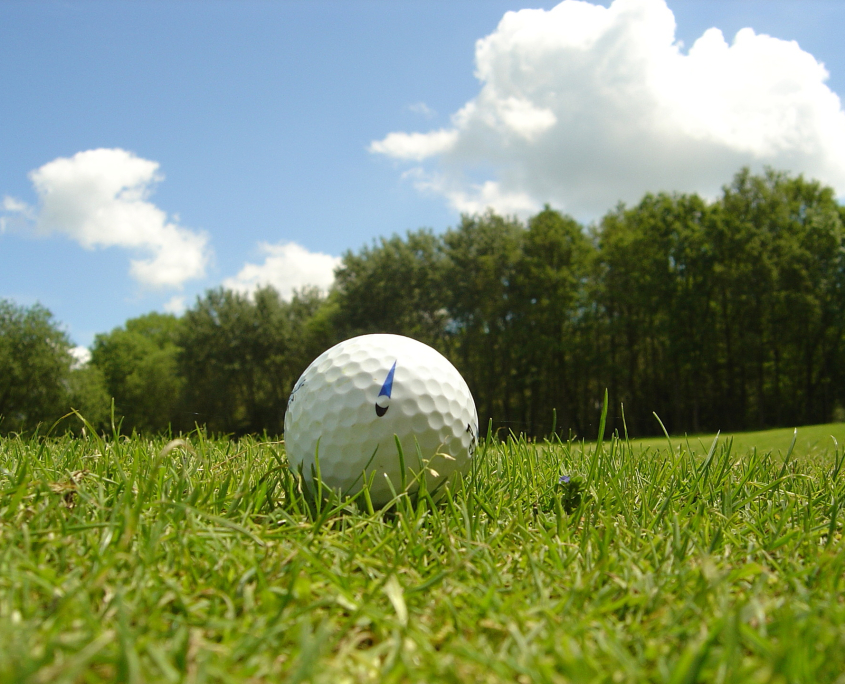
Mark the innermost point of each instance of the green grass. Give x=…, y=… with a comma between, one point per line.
x=119, y=562
x=813, y=441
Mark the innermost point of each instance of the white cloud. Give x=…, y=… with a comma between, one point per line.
x=18, y=214
x=175, y=305
x=16, y=206
x=100, y=198
x=476, y=197
x=583, y=105
x=81, y=357
x=422, y=108
x=416, y=146
x=286, y=266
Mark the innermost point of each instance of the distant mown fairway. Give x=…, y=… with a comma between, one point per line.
x=122, y=561
x=812, y=441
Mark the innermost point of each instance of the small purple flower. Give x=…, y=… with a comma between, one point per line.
x=564, y=479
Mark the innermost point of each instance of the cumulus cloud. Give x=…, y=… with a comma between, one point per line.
x=286, y=266
x=476, y=197
x=100, y=198
x=81, y=357
x=175, y=305
x=584, y=105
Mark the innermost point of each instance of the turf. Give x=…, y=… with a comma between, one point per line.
x=812, y=441
x=126, y=560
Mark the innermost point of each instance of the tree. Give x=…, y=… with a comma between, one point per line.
x=548, y=311
x=652, y=285
x=138, y=364
x=728, y=315
x=240, y=356
x=395, y=286
x=483, y=253
x=35, y=366
x=87, y=394
x=780, y=294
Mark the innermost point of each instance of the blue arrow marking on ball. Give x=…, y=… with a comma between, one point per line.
x=385, y=391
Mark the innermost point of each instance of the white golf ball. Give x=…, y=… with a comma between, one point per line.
x=355, y=399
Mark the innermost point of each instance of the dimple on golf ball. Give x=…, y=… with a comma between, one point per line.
x=352, y=403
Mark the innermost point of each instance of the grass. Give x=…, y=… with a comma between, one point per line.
x=129, y=560
x=813, y=441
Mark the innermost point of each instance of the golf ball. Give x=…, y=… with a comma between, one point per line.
x=356, y=399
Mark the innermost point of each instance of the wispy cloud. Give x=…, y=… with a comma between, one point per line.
x=423, y=109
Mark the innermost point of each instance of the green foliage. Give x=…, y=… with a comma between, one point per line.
x=239, y=357
x=725, y=316
x=550, y=318
x=653, y=286
x=89, y=396
x=34, y=367
x=570, y=494
x=483, y=255
x=396, y=286
x=722, y=315
x=200, y=560
x=780, y=271
x=138, y=363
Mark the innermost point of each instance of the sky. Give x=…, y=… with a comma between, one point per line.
x=150, y=150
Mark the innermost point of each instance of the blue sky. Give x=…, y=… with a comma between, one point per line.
x=242, y=124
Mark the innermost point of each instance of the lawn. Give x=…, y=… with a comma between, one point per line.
x=126, y=560
x=812, y=441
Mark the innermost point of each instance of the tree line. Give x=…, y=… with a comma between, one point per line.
x=726, y=314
